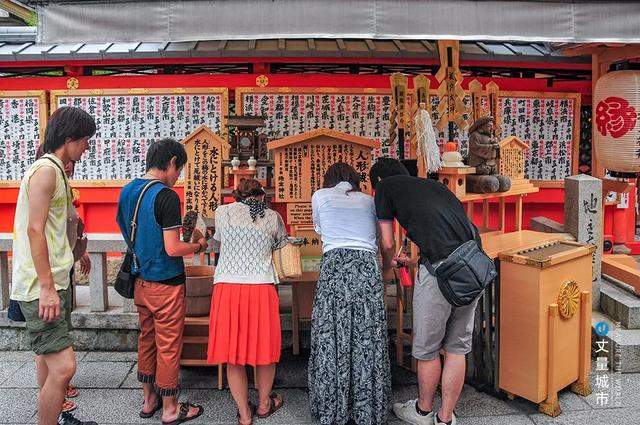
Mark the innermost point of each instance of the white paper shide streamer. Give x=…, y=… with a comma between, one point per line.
x=427, y=141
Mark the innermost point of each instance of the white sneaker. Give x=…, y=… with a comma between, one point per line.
x=437, y=422
x=407, y=412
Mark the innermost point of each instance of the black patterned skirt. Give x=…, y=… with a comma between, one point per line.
x=349, y=368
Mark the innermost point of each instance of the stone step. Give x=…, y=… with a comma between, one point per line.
x=623, y=345
x=620, y=305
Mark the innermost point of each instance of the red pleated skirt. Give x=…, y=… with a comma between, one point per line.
x=244, y=327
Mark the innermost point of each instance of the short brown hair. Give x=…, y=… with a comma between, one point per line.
x=247, y=188
x=67, y=123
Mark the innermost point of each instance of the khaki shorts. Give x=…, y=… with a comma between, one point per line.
x=48, y=337
x=436, y=323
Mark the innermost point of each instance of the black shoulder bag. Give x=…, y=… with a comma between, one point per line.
x=464, y=274
x=126, y=279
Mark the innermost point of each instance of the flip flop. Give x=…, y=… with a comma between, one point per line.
x=71, y=391
x=184, y=411
x=252, y=409
x=273, y=408
x=145, y=415
x=69, y=406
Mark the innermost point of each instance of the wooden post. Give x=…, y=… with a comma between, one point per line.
x=4, y=280
x=485, y=213
x=551, y=406
x=295, y=319
x=470, y=210
x=220, y=376
x=519, y=212
x=501, y=213
x=582, y=386
x=98, y=281
x=399, y=325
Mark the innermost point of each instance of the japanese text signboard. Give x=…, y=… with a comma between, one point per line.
x=22, y=121
x=363, y=112
x=302, y=160
x=203, y=171
x=129, y=120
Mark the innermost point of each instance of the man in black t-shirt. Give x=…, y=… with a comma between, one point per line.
x=435, y=221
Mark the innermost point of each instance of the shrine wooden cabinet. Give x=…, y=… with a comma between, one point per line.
x=545, y=322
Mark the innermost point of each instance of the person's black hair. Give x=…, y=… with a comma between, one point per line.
x=386, y=167
x=341, y=172
x=67, y=123
x=160, y=153
x=411, y=165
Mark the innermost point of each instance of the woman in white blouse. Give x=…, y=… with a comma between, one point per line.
x=244, y=324
x=349, y=322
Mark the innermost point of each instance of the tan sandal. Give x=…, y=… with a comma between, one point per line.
x=71, y=392
x=69, y=406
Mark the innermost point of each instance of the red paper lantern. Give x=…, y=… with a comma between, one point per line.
x=616, y=106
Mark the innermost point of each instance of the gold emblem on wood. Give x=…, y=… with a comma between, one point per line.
x=262, y=81
x=568, y=299
x=73, y=83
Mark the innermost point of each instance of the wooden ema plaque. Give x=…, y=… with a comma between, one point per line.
x=203, y=177
x=302, y=160
x=511, y=160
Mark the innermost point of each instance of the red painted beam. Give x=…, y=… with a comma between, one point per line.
x=275, y=80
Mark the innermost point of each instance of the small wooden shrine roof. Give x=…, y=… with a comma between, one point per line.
x=206, y=129
x=510, y=139
x=312, y=134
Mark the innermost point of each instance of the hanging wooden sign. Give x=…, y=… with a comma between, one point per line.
x=493, y=91
x=451, y=108
x=302, y=160
x=477, y=110
x=399, y=83
x=203, y=177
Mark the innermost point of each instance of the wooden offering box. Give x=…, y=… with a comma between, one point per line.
x=545, y=322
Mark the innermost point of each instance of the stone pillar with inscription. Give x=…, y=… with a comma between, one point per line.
x=583, y=219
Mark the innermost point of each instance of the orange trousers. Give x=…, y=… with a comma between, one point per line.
x=161, y=310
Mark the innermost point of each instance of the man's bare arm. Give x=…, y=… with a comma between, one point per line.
x=387, y=248
x=40, y=189
x=176, y=248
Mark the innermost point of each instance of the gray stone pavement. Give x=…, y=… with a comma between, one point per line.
x=110, y=394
